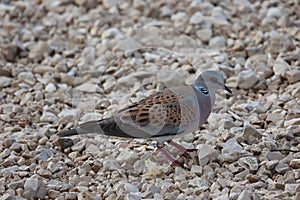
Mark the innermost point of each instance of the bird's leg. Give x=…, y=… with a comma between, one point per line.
x=181, y=148
x=169, y=157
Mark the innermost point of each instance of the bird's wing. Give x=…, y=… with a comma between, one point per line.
x=168, y=112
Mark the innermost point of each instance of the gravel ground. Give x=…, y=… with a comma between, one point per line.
x=63, y=62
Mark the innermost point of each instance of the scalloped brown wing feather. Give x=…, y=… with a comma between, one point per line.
x=161, y=111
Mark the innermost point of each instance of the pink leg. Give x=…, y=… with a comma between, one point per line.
x=181, y=148
x=169, y=157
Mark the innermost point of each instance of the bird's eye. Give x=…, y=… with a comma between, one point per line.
x=204, y=91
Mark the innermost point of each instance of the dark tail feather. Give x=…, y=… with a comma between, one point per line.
x=107, y=127
x=68, y=133
x=85, y=128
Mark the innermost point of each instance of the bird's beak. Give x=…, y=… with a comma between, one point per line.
x=227, y=89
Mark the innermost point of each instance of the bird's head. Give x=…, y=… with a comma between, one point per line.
x=211, y=80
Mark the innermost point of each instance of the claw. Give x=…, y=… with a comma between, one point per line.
x=174, y=162
x=184, y=151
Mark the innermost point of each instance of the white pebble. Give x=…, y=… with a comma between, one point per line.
x=50, y=88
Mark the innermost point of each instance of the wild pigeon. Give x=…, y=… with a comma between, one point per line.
x=162, y=116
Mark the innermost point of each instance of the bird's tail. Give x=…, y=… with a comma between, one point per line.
x=85, y=128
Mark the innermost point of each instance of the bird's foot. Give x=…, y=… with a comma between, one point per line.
x=173, y=161
x=185, y=152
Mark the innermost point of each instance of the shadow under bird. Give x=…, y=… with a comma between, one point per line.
x=162, y=116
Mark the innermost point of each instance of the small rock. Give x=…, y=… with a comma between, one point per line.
x=82, y=189
x=198, y=182
x=48, y=117
x=93, y=150
x=251, y=134
x=38, y=51
x=5, y=153
x=111, y=164
x=293, y=75
x=26, y=76
x=89, y=88
x=71, y=80
x=44, y=173
x=50, y=88
x=86, y=3
x=71, y=196
x=88, y=55
x=127, y=157
x=179, y=17
x=126, y=81
x=151, y=56
x=8, y=196
x=58, y=185
x=245, y=195
x=249, y=163
x=204, y=34
x=142, y=74
x=132, y=196
x=158, y=197
x=110, y=3
x=217, y=42
x=271, y=164
x=130, y=188
x=274, y=117
x=33, y=188
x=282, y=167
x=280, y=67
x=196, y=169
x=231, y=151
x=68, y=113
x=256, y=107
x=274, y=155
x=91, y=116
x=295, y=163
x=53, y=167
x=292, y=188
x=293, y=113
x=64, y=143
x=10, y=52
x=43, y=69
x=44, y=155
x=152, y=190
x=14, y=185
x=292, y=122
x=280, y=43
x=8, y=163
x=206, y=153
x=218, y=17
x=108, y=85
x=128, y=44
x=166, y=11
x=17, y=109
x=54, y=194
x=5, y=72
x=247, y=79
x=8, y=142
x=4, y=81
x=196, y=18
x=79, y=146
x=274, y=12
x=139, y=166
x=16, y=147
x=111, y=33
x=226, y=123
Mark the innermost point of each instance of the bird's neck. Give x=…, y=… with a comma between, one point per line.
x=206, y=103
